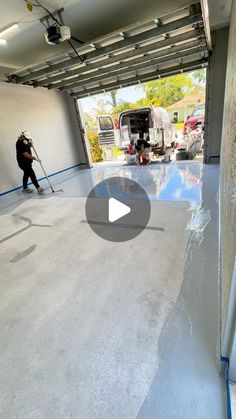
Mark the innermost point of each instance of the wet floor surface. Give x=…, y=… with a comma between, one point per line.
x=173, y=182
x=92, y=329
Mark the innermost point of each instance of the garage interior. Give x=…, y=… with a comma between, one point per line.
x=97, y=329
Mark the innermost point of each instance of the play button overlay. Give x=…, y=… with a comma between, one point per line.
x=117, y=209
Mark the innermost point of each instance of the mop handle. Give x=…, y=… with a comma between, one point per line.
x=42, y=168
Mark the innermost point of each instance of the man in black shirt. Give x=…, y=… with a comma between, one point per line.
x=24, y=158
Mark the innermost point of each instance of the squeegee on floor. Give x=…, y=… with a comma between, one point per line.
x=46, y=176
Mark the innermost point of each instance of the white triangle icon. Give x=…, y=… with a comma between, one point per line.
x=117, y=210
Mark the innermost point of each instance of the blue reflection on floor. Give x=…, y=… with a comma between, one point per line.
x=184, y=184
x=165, y=182
x=177, y=181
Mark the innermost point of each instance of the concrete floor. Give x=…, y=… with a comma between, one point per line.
x=98, y=330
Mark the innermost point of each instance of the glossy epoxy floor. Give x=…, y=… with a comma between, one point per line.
x=93, y=329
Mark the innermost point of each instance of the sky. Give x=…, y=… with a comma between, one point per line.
x=127, y=94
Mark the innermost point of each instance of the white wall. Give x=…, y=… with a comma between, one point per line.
x=228, y=180
x=50, y=117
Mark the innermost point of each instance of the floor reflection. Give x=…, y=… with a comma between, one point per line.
x=175, y=182
x=180, y=181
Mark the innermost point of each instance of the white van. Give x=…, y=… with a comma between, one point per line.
x=151, y=124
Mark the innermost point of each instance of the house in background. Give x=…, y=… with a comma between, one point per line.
x=184, y=107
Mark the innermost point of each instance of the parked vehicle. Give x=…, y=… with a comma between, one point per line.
x=194, y=140
x=106, y=133
x=151, y=124
x=196, y=118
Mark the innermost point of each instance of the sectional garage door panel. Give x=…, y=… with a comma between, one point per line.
x=163, y=46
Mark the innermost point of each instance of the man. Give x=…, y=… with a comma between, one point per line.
x=131, y=157
x=142, y=147
x=25, y=159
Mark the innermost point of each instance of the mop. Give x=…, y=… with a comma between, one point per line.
x=46, y=176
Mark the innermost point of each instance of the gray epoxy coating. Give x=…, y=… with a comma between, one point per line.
x=98, y=330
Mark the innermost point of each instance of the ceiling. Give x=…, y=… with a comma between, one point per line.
x=91, y=21
x=88, y=19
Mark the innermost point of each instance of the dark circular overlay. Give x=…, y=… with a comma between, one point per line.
x=104, y=203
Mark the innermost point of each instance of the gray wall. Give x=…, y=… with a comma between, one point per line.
x=51, y=119
x=228, y=179
x=215, y=94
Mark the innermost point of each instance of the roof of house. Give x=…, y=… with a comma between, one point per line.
x=196, y=95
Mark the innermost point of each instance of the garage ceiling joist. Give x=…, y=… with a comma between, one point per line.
x=165, y=45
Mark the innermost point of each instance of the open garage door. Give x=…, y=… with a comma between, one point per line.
x=161, y=47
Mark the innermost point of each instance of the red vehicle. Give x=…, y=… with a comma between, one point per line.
x=196, y=118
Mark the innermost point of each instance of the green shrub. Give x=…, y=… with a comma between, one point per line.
x=116, y=151
x=179, y=126
x=95, y=148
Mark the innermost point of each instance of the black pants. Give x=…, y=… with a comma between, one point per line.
x=29, y=173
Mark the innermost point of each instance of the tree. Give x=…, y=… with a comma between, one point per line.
x=143, y=102
x=166, y=91
x=106, y=101
x=120, y=107
x=101, y=108
x=199, y=76
x=113, y=98
x=90, y=121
